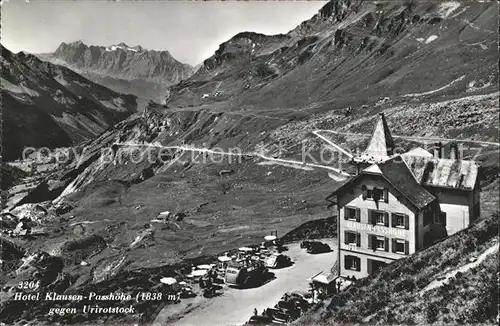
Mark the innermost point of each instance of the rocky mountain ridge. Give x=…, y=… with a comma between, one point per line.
x=46, y=105
x=127, y=69
x=349, y=54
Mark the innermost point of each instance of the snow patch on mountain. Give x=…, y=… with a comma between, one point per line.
x=124, y=47
x=431, y=38
x=446, y=8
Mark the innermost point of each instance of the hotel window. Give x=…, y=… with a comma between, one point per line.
x=440, y=218
x=436, y=217
x=352, y=214
x=378, y=242
x=378, y=217
x=352, y=263
x=352, y=238
x=400, y=221
x=400, y=246
x=375, y=193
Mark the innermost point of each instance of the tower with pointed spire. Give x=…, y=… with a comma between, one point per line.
x=379, y=149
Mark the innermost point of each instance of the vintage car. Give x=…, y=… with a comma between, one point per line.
x=317, y=247
x=278, y=315
x=278, y=261
x=304, y=295
x=259, y=320
x=246, y=274
x=304, y=244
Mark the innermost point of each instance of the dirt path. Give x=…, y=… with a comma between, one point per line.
x=315, y=132
x=462, y=269
x=235, y=306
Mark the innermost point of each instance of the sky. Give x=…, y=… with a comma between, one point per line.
x=190, y=30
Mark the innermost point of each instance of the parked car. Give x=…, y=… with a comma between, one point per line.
x=259, y=320
x=278, y=261
x=278, y=315
x=300, y=303
x=292, y=312
x=304, y=244
x=242, y=275
x=284, y=305
x=318, y=248
x=304, y=295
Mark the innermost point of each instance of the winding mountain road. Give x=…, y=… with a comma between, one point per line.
x=419, y=138
x=253, y=154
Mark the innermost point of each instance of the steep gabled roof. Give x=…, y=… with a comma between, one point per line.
x=396, y=172
x=399, y=175
x=439, y=172
x=381, y=144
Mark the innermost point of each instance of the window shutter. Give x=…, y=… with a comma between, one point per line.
x=407, y=222
x=407, y=249
x=345, y=213
x=386, y=219
x=347, y=262
x=386, y=195
x=358, y=265
x=386, y=244
x=364, y=191
x=442, y=218
x=358, y=239
x=346, y=239
x=393, y=220
x=393, y=245
x=370, y=242
x=371, y=217
x=358, y=215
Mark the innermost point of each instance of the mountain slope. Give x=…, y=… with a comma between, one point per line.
x=145, y=73
x=52, y=106
x=453, y=282
x=348, y=54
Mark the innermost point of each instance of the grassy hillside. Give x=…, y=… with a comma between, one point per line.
x=432, y=286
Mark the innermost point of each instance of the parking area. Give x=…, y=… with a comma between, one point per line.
x=235, y=306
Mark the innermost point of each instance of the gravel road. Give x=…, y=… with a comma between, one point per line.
x=235, y=306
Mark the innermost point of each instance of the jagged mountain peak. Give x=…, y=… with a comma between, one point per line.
x=82, y=46
x=123, y=68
